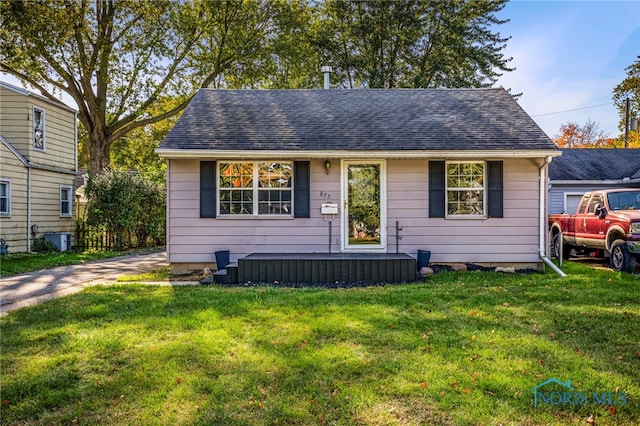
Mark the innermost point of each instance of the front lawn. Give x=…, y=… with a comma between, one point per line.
x=463, y=348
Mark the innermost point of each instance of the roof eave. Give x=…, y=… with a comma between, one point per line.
x=27, y=93
x=292, y=154
x=14, y=151
x=592, y=181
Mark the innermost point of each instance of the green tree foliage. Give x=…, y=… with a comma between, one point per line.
x=129, y=65
x=288, y=59
x=628, y=88
x=119, y=58
x=130, y=207
x=413, y=43
x=135, y=151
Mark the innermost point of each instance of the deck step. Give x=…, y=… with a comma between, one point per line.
x=228, y=275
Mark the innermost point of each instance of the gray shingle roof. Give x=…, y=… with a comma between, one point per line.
x=359, y=120
x=596, y=164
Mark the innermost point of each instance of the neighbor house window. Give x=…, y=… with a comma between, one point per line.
x=5, y=197
x=65, y=201
x=38, y=129
x=255, y=188
x=572, y=201
x=465, y=188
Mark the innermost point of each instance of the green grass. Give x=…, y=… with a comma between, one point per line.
x=163, y=274
x=18, y=263
x=461, y=349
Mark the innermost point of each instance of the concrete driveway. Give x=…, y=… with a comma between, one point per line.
x=36, y=287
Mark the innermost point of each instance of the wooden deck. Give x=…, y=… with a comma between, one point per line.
x=310, y=268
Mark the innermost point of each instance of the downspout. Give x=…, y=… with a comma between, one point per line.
x=167, y=228
x=542, y=216
x=76, y=205
x=75, y=141
x=28, y=208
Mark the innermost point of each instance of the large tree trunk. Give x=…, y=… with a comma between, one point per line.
x=99, y=155
x=99, y=143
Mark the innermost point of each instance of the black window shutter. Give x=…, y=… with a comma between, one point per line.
x=207, y=189
x=436, y=188
x=301, y=190
x=495, y=177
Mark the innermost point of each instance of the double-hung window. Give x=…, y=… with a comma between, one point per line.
x=465, y=190
x=38, y=129
x=255, y=188
x=65, y=201
x=5, y=197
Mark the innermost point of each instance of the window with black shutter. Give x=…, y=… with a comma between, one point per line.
x=472, y=189
x=257, y=188
x=207, y=189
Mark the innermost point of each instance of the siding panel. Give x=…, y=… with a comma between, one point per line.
x=14, y=228
x=513, y=238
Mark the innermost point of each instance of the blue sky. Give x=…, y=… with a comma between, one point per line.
x=569, y=55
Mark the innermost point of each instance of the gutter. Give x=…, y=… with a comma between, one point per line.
x=542, y=216
x=596, y=182
x=203, y=154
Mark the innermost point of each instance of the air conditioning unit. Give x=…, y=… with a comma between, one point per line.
x=62, y=240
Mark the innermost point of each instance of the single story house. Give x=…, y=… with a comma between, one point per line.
x=581, y=170
x=38, y=163
x=461, y=173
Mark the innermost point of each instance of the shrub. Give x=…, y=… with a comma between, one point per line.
x=129, y=206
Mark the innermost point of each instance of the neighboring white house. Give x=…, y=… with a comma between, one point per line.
x=461, y=172
x=582, y=170
x=38, y=152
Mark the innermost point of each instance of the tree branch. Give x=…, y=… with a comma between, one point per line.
x=144, y=122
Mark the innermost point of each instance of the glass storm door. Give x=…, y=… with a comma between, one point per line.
x=364, y=215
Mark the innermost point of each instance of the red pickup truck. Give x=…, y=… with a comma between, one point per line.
x=606, y=221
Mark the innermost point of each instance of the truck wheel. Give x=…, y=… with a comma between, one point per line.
x=556, y=243
x=621, y=260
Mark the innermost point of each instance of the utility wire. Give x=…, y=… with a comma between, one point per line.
x=570, y=110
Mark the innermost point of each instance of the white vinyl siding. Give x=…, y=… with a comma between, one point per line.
x=42, y=132
x=17, y=127
x=511, y=239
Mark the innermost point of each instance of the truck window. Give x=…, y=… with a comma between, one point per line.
x=595, y=200
x=624, y=200
x=583, y=205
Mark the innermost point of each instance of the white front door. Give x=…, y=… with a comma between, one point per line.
x=364, y=215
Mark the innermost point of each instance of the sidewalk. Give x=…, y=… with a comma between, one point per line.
x=29, y=289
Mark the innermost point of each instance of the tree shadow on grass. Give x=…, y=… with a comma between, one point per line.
x=464, y=349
